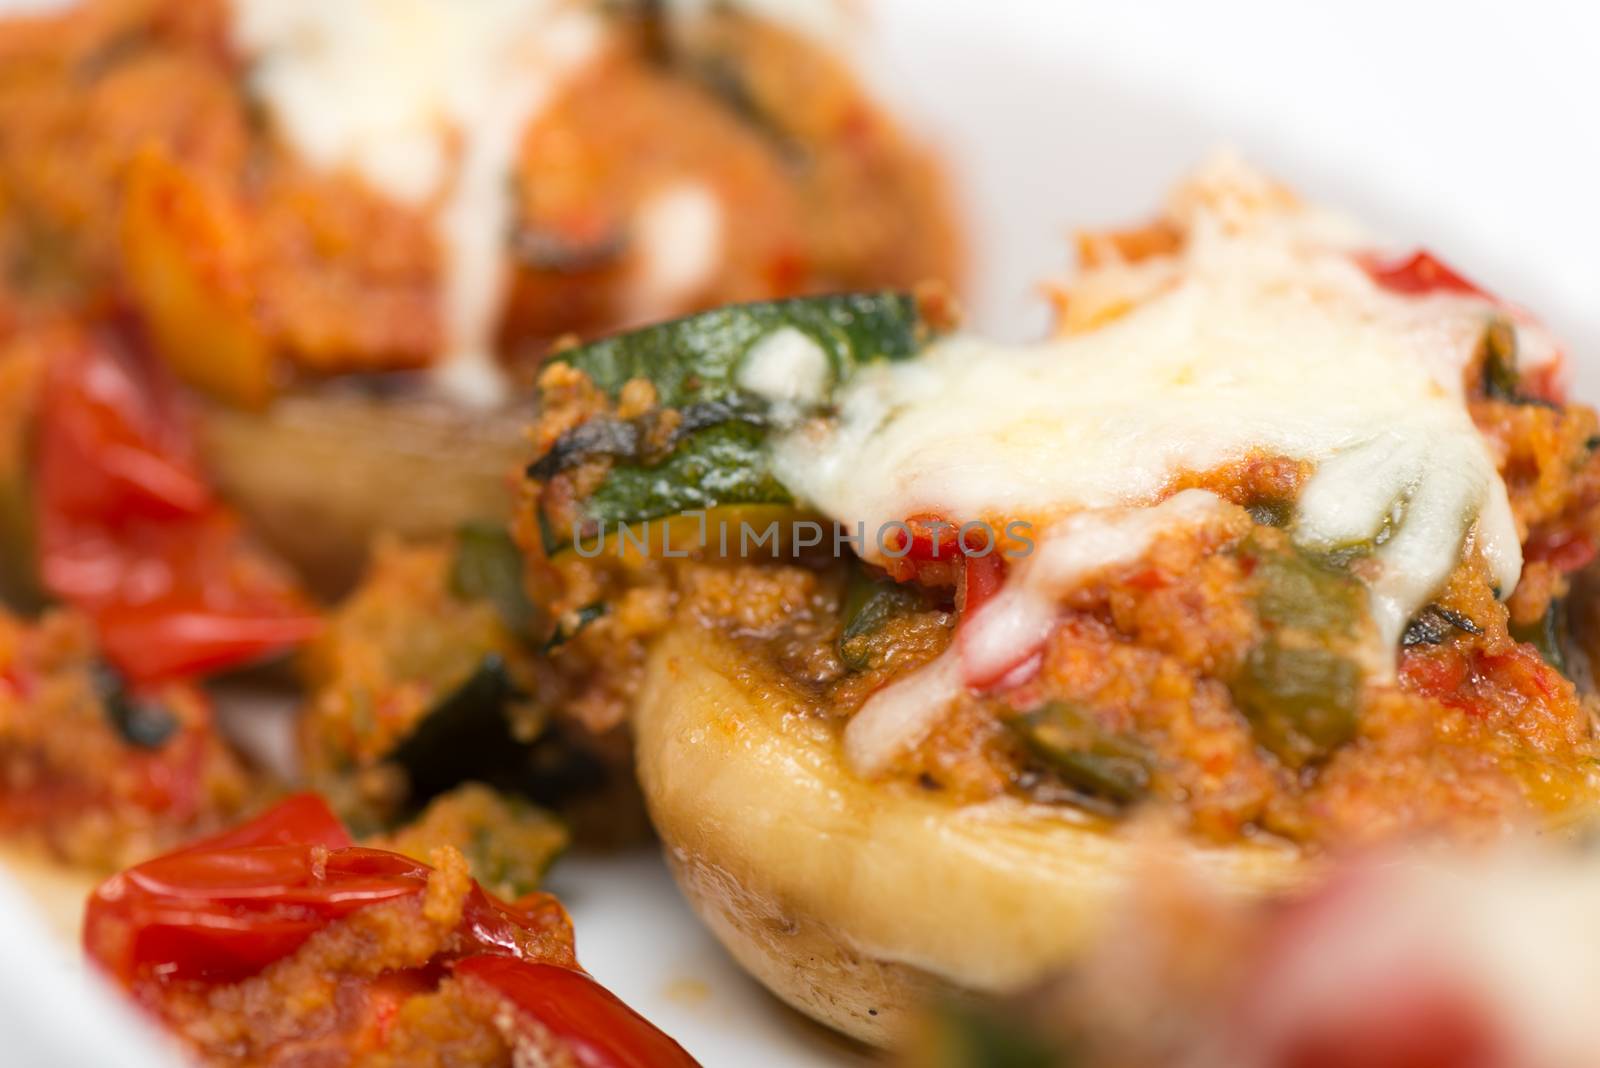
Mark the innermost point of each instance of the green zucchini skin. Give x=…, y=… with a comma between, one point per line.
x=697, y=358
x=717, y=451
x=464, y=736
x=871, y=601
x=488, y=566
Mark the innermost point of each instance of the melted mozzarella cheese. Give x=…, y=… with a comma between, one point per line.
x=899, y=716
x=789, y=370
x=423, y=99
x=1257, y=341
x=1262, y=336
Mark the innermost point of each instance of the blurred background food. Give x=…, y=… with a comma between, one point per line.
x=354, y=231
x=275, y=281
x=1397, y=960
x=306, y=310
x=918, y=762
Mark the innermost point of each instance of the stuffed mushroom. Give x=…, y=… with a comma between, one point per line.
x=933, y=645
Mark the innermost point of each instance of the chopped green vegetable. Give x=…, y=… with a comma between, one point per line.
x=1296, y=589
x=648, y=438
x=870, y=602
x=973, y=1035
x=1502, y=380
x=719, y=465
x=697, y=358
x=569, y=626
x=1500, y=377
x=464, y=735
x=713, y=451
x=142, y=723
x=508, y=842
x=1339, y=557
x=1086, y=755
x=488, y=566
x=1300, y=687
x=1268, y=513
x=1549, y=636
x=1302, y=703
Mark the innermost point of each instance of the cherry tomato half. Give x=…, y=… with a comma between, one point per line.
x=131, y=533
x=595, y=1025
x=229, y=905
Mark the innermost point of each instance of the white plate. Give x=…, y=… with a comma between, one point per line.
x=1466, y=127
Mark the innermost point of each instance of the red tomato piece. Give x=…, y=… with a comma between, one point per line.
x=114, y=444
x=1435, y=672
x=981, y=579
x=131, y=533
x=1422, y=273
x=1432, y=1026
x=1419, y=274
x=300, y=819
x=227, y=906
x=599, y=1029
x=931, y=538
x=180, y=637
x=1566, y=551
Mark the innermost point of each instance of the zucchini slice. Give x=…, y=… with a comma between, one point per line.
x=713, y=450
x=466, y=736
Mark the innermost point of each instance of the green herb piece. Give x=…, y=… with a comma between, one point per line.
x=982, y=1035
x=1299, y=687
x=1502, y=379
x=141, y=722
x=509, y=843
x=871, y=602
x=1084, y=754
x=570, y=625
